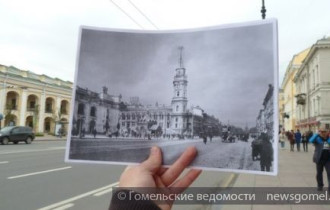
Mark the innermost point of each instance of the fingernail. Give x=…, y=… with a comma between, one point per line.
x=153, y=150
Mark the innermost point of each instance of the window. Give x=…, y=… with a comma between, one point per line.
x=177, y=108
x=13, y=103
x=177, y=93
x=32, y=104
x=93, y=112
x=81, y=109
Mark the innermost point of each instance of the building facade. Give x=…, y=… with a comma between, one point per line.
x=289, y=90
x=38, y=101
x=110, y=115
x=281, y=108
x=313, y=88
x=95, y=111
x=180, y=100
x=139, y=121
x=265, y=118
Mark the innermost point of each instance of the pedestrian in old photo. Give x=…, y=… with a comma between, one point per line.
x=266, y=153
x=94, y=133
x=204, y=138
x=321, y=155
x=297, y=136
x=256, y=149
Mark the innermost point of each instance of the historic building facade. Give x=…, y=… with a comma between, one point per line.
x=265, y=118
x=174, y=120
x=289, y=90
x=139, y=121
x=95, y=111
x=180, y=100
x=313, y=87
x=110, y=115
x=29, y=99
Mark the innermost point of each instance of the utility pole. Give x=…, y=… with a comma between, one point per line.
x=263, y=10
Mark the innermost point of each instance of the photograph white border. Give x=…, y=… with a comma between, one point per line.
x=275, y=93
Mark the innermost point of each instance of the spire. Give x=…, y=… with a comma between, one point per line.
x=181, y=60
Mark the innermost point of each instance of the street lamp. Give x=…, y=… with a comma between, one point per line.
x=263, y=10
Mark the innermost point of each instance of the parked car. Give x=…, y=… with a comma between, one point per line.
x=16, y=134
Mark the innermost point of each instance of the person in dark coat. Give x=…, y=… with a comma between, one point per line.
x=266, y=153
x=297, y=136
x=291, y=139
x=321, y=155
x=256, y=148
x=94, y=132
x=304, y=141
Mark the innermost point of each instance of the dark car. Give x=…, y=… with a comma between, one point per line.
x=16, y=134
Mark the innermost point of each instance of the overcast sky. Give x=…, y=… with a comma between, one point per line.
x=228, y=69
x=42, y=36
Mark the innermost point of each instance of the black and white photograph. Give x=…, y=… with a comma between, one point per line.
x=214, y=88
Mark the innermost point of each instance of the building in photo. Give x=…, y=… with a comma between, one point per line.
x=110, y=115
x=95, y=111
x=37, y=101
x=265, y=118
x=313, y=88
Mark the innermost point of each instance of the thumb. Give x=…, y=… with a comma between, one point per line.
x=153, y=163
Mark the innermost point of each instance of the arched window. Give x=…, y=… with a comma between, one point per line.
x=177, y=108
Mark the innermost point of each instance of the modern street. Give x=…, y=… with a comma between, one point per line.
x=35, y=177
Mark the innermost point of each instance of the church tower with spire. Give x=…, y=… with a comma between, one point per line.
x=179, y=100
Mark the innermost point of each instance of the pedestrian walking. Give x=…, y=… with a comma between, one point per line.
x=309, y=135
x=94, y=133
x=304, y=141
x=266, y=153
x=321, y=155
x=204, y=138
x=283, y=138
x=297, y=136
x=290, y=135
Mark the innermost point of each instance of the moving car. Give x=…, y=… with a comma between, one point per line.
x=16, y=134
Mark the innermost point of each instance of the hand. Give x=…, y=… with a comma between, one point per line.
x=150, y=173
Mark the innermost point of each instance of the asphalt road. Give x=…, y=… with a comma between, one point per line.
x=35, y=177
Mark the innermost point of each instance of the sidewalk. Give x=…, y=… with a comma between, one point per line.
x=296, y=169
x=49, y=138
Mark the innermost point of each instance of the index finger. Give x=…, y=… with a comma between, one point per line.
x=172, y=173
